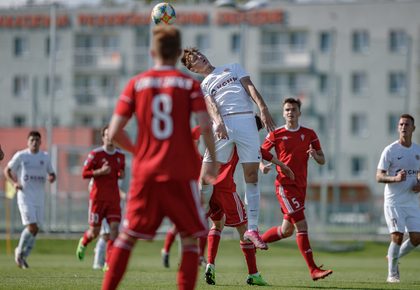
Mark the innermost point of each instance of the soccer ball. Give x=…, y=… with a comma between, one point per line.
x=163, y=13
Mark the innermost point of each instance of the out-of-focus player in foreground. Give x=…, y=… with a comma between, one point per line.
x=226, y=208
x=105, y=165
x=163, y=100
x=294, y=144
x=399, y=169
x=27, y=171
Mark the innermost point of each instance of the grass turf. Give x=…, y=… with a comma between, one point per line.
x=53, y=265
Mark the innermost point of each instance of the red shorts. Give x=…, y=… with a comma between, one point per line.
x=229, y=204
x=99, y=210
x=150, y=201
x=292, y=201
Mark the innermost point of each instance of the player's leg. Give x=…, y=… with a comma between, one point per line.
x=413, y=228
x=277, y=233
x=248, y=250
x=27, y=237
x=118, y=261
x=87, y=237
x=100, y=251
x=302, y=240
x=113, y=233
x=252, y=195
x=213, y=241
x=169, y=240
x=396, y=221
x=202, y=243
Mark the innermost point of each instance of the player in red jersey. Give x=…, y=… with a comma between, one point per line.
x=227, y=209
x=294, y=144
x=105, y=165
x=165, y=170
x=172, y=232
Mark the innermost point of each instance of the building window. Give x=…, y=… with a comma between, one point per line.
x=359, y=82
x=398, y=41
x=397, y=83
x=86, y=120
x=325, y=41
x=297, y=41
x=58, y=85
x=358, y=165
x=360, y=41
x=20, y=86
x=47, y=45
x=202, y=41
x=359, y=125
x=21, y=46
x=393, y=120
x=323, y=82
x=235, y=43
x=19, y=121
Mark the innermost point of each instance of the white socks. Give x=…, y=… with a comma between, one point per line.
x=26, y=239
x=393, y=254
x=252, y=198
x=100, y=249
x=406, y=248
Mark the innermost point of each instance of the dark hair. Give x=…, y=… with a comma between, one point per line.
x=34, y=133
x=259, y=122
x=167, y=41
x=407, y=116
x=103, y=130
x=186, y=56
x=292, y=101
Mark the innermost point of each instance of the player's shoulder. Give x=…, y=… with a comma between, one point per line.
x=307, y=129
x=96, y=151
x=118, y=151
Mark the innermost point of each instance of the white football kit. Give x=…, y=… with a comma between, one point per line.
x=31, y=171
x=401, y=204
x=236, y=108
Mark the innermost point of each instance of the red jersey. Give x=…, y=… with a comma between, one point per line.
x=225, y=181
x=291, y=148
x=163, y=100
x=105, y=187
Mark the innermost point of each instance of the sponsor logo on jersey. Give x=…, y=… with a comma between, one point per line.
x=284, y=138
x=302, y=137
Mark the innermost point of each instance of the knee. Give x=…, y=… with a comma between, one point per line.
x=288, y=232
x=251, y=177
x=33, y=229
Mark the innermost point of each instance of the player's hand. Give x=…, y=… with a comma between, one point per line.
x=312, y=152
x=1, y=154
x=220, y=131
x=211, y=175
x=265, y=168
x=17, y=186
x=105, y=169
x=268, y=120
x=416, y=188
x=401, y=176
x=288, y=172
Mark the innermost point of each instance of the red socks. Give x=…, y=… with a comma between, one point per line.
x=273, y=234
x=248, y=249
x=117, y=264
x=213, y=240
x=169, y=240
x=187, y=273
x=109, y=246
x=304, y=246
x=86, y=240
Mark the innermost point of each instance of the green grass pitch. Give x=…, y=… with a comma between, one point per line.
x=53, y=265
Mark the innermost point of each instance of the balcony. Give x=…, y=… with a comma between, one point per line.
x=97, y=59
x=284, y=58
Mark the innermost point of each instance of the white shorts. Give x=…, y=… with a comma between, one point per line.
x=243, y=133
x=104, y=228
x=31, y=214
x=402, y=219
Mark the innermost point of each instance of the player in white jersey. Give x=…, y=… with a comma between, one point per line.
x=27, y=171
x=399, y=169
x=229, y=94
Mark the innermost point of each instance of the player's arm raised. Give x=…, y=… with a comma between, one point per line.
x=266, y=117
